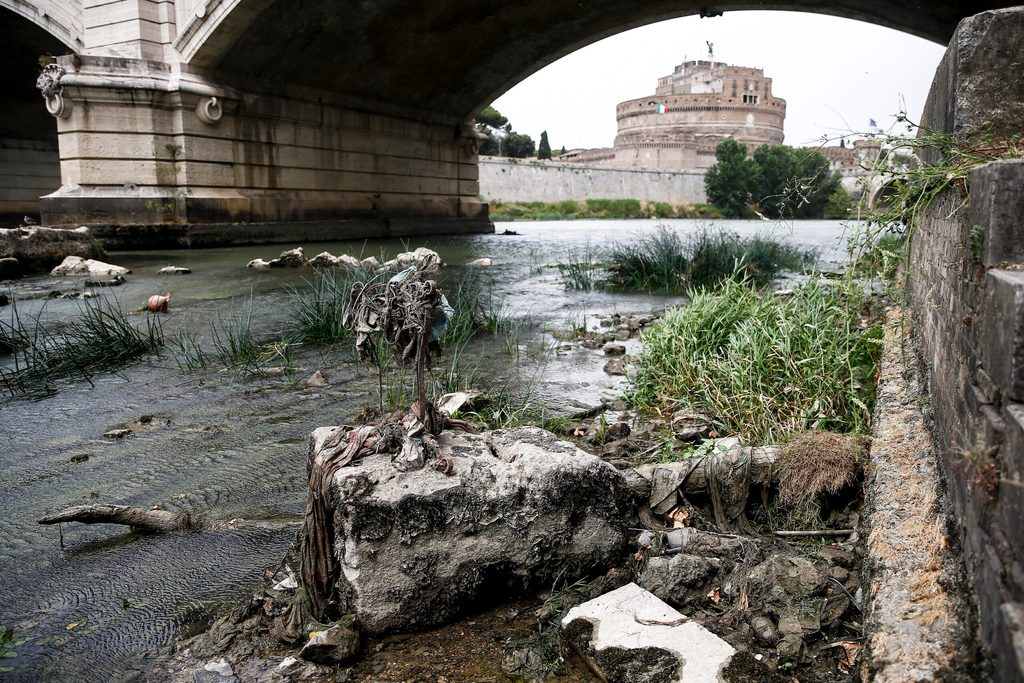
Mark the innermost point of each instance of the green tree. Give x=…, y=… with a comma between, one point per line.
x=777, y=166
x=839, y=203
x=793, y=183
x=730, y=182
x=517, y=145
x=491, y=117
x=544, y=149
x=813, y=184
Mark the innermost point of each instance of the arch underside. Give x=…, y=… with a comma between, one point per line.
x=29, y=162
x=452, y=57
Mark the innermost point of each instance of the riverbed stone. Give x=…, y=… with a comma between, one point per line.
x=630, y=636
x=76, y=265
x=519, y=509
x=335, y=645
x=175, y=270
x=10, y=268
x=613, y=349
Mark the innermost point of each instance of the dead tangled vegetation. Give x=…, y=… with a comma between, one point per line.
x=816, y=463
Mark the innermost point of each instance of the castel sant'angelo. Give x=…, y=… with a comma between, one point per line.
x=692, y=110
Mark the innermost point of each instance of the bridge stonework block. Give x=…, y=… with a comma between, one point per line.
x=997, y=208
x=966, y=292
x=144, y=146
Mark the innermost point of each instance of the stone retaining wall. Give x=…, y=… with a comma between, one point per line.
x=966, y=287
x=527, y=180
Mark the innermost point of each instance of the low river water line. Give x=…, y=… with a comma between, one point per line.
x=95, y=601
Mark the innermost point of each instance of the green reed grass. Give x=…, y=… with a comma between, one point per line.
x=764, y=366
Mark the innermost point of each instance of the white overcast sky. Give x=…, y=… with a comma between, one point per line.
x=835, y=74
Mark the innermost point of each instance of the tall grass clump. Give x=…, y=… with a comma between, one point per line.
x=318, y=308
x=580, y=269
x=667, y=261
x=476, y=308
x=100, y=339
x=764, y=366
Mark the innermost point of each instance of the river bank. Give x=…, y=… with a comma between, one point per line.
x=228, y=447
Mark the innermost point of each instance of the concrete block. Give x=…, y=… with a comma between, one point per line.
x=1002, y=331
x=997, y=210
x=966, y=92
x=630, y=636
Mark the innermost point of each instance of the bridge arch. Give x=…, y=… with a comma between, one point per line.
x=486, y=46
x=61, y=20
x=29, y=160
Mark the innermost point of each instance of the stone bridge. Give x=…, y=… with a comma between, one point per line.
x=189, y=122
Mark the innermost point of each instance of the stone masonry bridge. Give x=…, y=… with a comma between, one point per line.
x=190, y=122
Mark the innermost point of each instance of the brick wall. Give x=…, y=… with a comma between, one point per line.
x=966, y=289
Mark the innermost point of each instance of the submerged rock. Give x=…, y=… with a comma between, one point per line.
x=292, y=258
x=76, y=265
x=327, y=260
x=518, y=508
x=175, y=270
x=258, y=264
x=479, y=263
x=10, y=268
x=630, y=636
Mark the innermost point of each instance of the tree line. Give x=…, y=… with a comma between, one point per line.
x=777, y=181
x=501, y=141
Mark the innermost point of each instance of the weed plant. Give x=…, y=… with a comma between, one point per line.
x=317, y=312
x=917, y=169
x=764, y=366
x=665, y=260
x=100, y=339
x=581, y=268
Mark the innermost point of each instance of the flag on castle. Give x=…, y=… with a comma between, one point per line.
x=660, y=108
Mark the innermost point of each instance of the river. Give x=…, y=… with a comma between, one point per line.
x=95, y=602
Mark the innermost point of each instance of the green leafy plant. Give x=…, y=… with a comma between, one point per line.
x=764, y=366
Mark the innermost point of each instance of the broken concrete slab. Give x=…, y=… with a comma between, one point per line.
x=630, y=636
x=516, y=509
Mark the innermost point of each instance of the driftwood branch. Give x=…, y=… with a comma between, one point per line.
x=141, y=518
x=815, y=532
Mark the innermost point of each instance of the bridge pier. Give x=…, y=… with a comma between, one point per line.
x=152, y=155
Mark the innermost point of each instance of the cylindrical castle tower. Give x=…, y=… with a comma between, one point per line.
x=700, y=104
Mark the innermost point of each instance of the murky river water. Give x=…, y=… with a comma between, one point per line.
x=94, y=600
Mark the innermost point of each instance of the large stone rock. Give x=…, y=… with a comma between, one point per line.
x=335, y=645
x=40, y=249
x=76, y=265
x=519, y=509
x=630, y=636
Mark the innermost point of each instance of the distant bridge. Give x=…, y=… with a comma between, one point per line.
x=178, y=122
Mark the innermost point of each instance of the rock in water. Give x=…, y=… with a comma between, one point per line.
x=76, y=265
x=630, y=636
x=520, y=508
x=40, y=249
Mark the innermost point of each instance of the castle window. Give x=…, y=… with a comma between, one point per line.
x=749, y=99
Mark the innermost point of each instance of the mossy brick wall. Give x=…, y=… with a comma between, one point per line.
x=966, y=289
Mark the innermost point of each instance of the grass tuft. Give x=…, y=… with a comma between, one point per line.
x=814, y=463
x=665, y=260
x=100, y=339
x=764, y=366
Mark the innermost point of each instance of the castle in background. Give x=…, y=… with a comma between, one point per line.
x=692, y=110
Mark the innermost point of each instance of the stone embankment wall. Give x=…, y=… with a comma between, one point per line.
x=521, y=180
x=28, y=170
x=966, y=287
